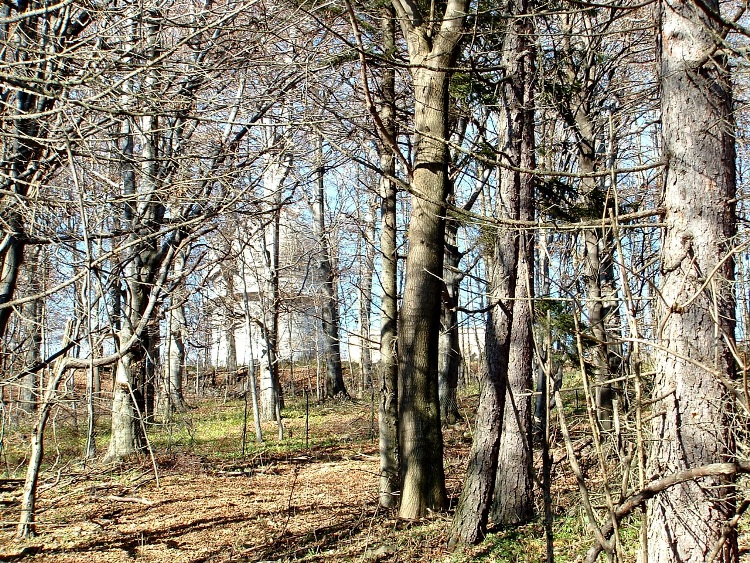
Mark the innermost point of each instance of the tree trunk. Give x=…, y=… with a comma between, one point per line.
x=513, y=499
x=227, y=274
x=692, y=411
x=27, y=518
x=449, y=360
x=365, y=294
x=172, y=394
x=125, y=433
x=329, y=301
x=229, y=333
x=125, y=436
x=508, y=337
x=598, y=247
x=420, y=438
x=433, y=48
x=251, y=359
x=390, y=481
x=28, y=118
x=133, y=393
x=470, y=520
x=275, y=173
x=32, y=321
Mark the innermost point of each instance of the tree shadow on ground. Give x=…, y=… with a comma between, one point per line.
x=291, y=546
x=130, y=542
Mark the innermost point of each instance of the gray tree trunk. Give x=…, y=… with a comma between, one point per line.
x=227, y=275
x=270, y=391
x=470, y=520
x=231, y=347
x=692, y=411
x=365, y=293
x=508, y=339
x=599, y=279
x=171, y=395
x=390, y=482
x=133, y=392
x=513, y=499
x=598, y=247
x=125, y=432
x=329, y=300
x=251, y=360
x=449, y=347
x=32, y=322
x=275, y=173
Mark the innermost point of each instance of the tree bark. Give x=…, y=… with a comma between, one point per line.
x=696, y=310
x=133, y=392
x=433, y=48
x=172, y=398
x=513, y=501
x=367, y=269
x=227, y=274
x=390, y=481
x=449, y=358
x=270, y=391
x=32, y=321
x=329, y=300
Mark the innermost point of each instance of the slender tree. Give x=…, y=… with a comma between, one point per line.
x=329, y=301
x=390, y=482
x=32, y=320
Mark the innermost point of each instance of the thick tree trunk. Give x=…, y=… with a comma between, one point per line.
x=125, y=432
x=125, y=435
x=433, y=48
x=513, y=499
x=134, y=385
x=390, y=482
x=508, y=340
x=470, y=520
x=420, y=437
x=692, y=411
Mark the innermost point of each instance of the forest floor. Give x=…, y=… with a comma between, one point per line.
x=281, y=501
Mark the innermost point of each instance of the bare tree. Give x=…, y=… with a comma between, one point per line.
x=329, y=301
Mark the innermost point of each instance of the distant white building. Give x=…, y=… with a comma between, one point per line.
x=471, y=339
x=244, y=278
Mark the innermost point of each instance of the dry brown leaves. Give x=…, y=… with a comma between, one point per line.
x=318, y=505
